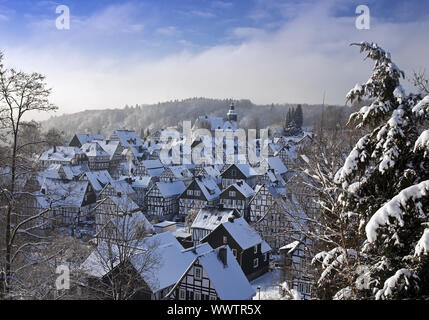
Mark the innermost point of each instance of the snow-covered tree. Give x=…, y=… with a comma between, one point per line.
x=385, y=182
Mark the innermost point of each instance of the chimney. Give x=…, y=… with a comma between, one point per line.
x=222, y=255
x=55, y=149
x=231, y=219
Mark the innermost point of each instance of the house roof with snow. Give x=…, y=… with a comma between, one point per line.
x=171, y=189
x=93, y=149
x=209, y=218
x=59, y=193
x=245, y=236
x=208, y=187
x=244, y=168
x=227, y=278
x=98, y=179
x=83, y=138
x=60, y=153
x=242, y=187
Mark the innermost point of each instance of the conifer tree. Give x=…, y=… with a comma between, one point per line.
x=385, y=183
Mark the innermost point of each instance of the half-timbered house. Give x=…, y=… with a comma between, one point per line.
x=162, y=199
x=239, y=172
x=208, y=219
x=237, y=196
x=213, y=275
x=202, y=192
x=252, y=253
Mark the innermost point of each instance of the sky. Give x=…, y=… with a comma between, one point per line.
x=269, y=51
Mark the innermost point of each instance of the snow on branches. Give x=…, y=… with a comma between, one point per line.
x=392, y=213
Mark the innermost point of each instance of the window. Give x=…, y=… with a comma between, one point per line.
x=265, y=256
x=225, y=239
x=190, y=193
x=255, y=263
x=197, y=193
x=197, y=273
x=182, y=294
x=212, y=298
x=255, y=249
x=232, y=193
x=197, y=296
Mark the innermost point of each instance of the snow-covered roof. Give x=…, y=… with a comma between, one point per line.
x=127, y=137
x=151, y=164
x=180, y=172
x=228, y=280
x=242, y=187
x=170, y=189
x=122, y=186
x=173, y=261
x=245, y=169
x=156, y=172
x=60, y=153
x=245, y=236
x=98, y=179
x=217, y=123
x=140, y=181
x=208, y=187
x=85, y=138
x=93, y=149
x=124, y=203
x=164, y=224
x=210, y=218
x=60, y=193
x=110, y=146
x=277, y=164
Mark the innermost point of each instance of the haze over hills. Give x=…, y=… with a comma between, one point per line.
x=172, y=113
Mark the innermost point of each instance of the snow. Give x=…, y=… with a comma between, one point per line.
x=209, y=187
x=400, y=280
x=210, y=218
x=421, y=108
x=61, y=154
x=228, y=280
x=241, y=187
x=85, y=138
x=395, y=208
x=422, y=247
x=93, y=149
x=269, y=284
x=422, y=143
x=277, y=164
x=291, y=246
x=170, y=189
x=245, y=236
x=355, y=156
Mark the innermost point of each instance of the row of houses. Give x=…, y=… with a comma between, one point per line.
x=94, y=185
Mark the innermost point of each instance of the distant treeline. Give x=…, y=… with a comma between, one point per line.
x=172, y=113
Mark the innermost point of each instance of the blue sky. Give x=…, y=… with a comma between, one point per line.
x=128, y=52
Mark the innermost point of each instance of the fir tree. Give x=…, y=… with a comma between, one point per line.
x=298, y=116
x=385, y=182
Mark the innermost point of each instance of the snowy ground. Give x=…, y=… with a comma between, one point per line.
x=269, y=284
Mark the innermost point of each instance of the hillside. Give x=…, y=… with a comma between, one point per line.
x=172, y=113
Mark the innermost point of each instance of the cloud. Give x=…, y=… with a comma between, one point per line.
x=168, y=31
x=203, y=14
x=295, y=62
x=222, y=4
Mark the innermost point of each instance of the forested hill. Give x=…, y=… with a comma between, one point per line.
x=173, y=112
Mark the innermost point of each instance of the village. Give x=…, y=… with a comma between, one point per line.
x=199, y=231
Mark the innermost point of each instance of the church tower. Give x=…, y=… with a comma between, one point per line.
x=231, y=115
